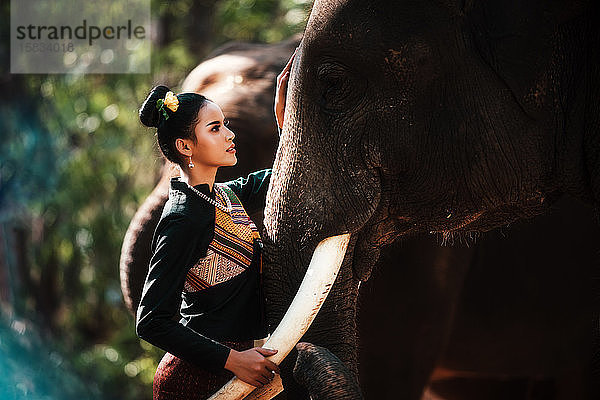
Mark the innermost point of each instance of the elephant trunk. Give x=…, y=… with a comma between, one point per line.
x=335, y=325
x=318, y=280
x=324, y=375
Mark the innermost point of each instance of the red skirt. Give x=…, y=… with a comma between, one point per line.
x=178, y=379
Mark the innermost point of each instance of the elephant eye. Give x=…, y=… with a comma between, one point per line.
x=339, y=88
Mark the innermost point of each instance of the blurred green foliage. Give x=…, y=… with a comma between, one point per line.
x=266, y=21
x=31, y=370
x=76, y=163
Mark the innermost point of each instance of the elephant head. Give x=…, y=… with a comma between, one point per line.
x=422, y=116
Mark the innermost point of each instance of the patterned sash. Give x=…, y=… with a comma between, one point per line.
x=231, y=250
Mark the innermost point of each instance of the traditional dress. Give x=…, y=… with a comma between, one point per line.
x=206, y=265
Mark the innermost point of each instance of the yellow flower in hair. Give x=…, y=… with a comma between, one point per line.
x=171, y=101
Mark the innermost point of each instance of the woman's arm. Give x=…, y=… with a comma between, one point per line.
x=281, y=92
x=252, y=190
x=174, y=243
x=174, y=246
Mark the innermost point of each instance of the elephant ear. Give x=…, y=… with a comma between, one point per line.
x=136, y=252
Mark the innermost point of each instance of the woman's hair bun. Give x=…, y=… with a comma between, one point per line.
x=149, y=114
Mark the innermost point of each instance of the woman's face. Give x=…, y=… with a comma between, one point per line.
x=213, y=138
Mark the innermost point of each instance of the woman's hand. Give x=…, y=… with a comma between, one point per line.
x=251, y=366
x=281, y=91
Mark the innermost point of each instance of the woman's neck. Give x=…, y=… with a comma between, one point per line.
x=198, y=175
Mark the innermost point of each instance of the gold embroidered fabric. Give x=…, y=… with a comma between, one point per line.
x=210, y=270
x=230, y=252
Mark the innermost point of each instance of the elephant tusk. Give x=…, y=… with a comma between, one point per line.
x=318, y=280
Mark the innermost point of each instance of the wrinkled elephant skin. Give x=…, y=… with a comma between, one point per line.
x=425, y=117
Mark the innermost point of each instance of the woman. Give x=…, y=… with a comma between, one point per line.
x=206, y=261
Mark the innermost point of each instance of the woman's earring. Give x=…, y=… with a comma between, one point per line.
x=191, y=164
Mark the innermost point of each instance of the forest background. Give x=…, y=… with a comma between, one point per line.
x=75, y=164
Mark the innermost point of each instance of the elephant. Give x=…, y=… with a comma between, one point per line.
x=521, y=323
x=416, y=117
x=373, y=89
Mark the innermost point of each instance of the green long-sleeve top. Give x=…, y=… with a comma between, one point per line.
x=232, y=310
